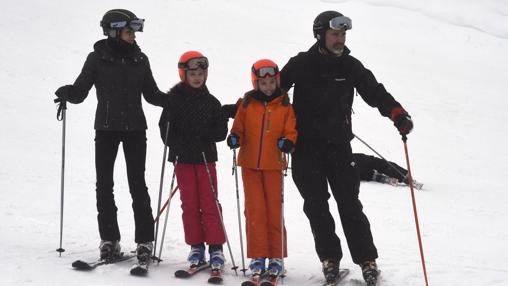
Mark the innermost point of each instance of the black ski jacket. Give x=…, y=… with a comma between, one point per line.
x=119, y=81
x=323, y=93
x=196, y=122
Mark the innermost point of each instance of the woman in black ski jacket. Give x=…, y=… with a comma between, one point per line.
x=120, y=73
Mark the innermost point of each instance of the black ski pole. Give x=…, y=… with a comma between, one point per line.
x=220, y=213
x=283, y=174
x=60, y=116
x=164, y=154
x=235, y=172
x=167, y=211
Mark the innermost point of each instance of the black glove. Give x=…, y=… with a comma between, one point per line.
x=285, y=145
x=64, y=93
x=233, y=141
x=229, y=110
x=402, y=120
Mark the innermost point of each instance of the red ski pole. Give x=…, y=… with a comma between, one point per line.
x=165, y=204
x=404, y=139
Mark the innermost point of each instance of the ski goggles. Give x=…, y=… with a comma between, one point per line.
x=136, y=25
x=265, y=71
x=194, y=63
x=341, y=22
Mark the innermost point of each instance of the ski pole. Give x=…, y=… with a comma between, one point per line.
x=220, y=213
x=160, y=187
x=165, y=204
x=167, y=212
x=60, y=116
x=283, y=174
x=235, y=172
x=404, y=139
x=380, y=156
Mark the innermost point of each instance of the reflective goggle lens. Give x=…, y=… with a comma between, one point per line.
x=266, y=71
x=195, y=63
x=341, y=22
x=116, y=25
x=135, y=25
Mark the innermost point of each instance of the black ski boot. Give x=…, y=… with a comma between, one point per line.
x=331, y=270
x=369, y=272
x=109, y=250
x=144, y=252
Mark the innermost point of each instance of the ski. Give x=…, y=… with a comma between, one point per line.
x=83, y=265
x=255, y=279
x=193, y=269
x=417, y=185
x=215, y=277
x=271, y=278
x=342, y=274
x=139, y=269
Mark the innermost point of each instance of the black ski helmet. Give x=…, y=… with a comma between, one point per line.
x=114, y=20
x=322, y=24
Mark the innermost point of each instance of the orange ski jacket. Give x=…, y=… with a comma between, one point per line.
x=259, y=125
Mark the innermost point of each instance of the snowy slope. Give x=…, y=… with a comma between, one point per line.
x=447, y=67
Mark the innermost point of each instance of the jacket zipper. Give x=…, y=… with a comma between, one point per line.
x=106, y=122
x=261, y=137
x=268, y=120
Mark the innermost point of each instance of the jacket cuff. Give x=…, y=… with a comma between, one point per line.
x=396, y=111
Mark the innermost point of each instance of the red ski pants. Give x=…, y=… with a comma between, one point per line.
x=201, y=221
x=263, y=213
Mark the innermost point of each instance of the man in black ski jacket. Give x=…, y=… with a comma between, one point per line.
x=120, y=73
x=324, y=80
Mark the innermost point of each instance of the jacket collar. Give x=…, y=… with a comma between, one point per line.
x=316, y=50
x=108, y=54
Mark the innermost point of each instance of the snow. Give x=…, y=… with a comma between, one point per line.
x=445, y=61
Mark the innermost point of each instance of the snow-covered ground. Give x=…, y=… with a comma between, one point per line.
x=445, y=61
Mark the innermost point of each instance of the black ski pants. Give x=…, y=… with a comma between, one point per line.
x=134, y=148
x=367, y=164
x=314, y=166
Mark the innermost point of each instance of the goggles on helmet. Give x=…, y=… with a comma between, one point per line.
x=265, y=71
x=341, y=22
x=136, y=25
x=194, y=63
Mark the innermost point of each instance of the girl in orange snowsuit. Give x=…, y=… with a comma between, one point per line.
x=264, y=128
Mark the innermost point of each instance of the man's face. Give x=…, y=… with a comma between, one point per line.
x=128, y=35
x=335, y=40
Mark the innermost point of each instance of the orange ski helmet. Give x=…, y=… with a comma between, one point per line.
x=192, y=60
x=264, y=68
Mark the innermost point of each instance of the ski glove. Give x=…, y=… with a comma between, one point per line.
x=229, y=110
x=64, y=92
x=401, y=120
x=285, y=145
x=233, y=141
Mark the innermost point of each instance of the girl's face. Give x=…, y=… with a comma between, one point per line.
x=267, y=85
x=128, y=35
x=196, y=78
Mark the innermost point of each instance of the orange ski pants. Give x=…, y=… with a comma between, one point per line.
x=263, y=213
